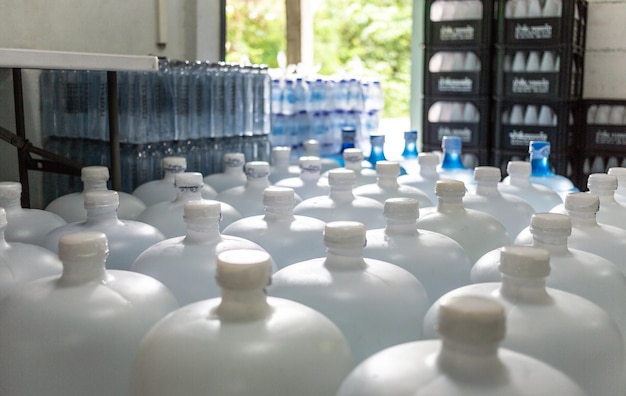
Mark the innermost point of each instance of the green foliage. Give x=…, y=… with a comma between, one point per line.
x=376, y=32
x=255, y=29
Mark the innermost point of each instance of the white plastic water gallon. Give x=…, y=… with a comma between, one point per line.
x=127, y=239
x=342, y=204
x=287, y=238
x=601, y=239
x=70, y=207
x=562, y=329
x=77, y=333
x=168, y=216
x=308, y=184
x=281, y=167
x=248, y=199
x=163, y=190
x=242, y=344
x=477, y=232
x=232, y=176
x=312, y=149
x=426, y=178
x=375, y=304
x=611, y=212
x=23, y=262
x=436, y=260
x=467, y=361
x=186, y=264
x=387, y=186
x=620, y=193
x=572, y=270
x=540, y=197
x=25, y=225
x=514, y=213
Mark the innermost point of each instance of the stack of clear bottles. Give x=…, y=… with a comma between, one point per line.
x=198, y=110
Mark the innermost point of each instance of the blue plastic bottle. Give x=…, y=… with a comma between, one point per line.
x=541, y=172
x=409, y=154
x=451, y=165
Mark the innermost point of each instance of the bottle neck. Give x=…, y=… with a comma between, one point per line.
x=410, y=149
x=344, y=259
x=3, y=242
x=309, y=177
x=467, y=361
x=77, y=272
x=579, y=219
x=11, y=204
x=540, y=167
x=278, y=213
x=257, y=183
x=450, y=204
x=341, y=193
x=387, y=182
x=530, y=290
x=243, y=305
x=234, y=170
x=353, y=165
x=428, y=172
x=485, y=188
x=553, y=244
x=102, y=215
x=170, y=175
x=520, y=181
x=605, y=195
x=94, y=185
x=186, y=195
x=203, y=231
x=452, y=160
x=401, y=227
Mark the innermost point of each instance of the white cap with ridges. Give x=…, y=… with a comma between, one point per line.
x=487, y=174
x=471, y=320
x=243, y=269
x=101, y=198
x=524, y=262
x=401, y=209
x=344, y=234
x=550, y=224
x=582, y=202
x=387, y=168
x=94, y=173
x=257, y=169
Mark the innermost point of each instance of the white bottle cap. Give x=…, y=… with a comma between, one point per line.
x=3, y=218
x=344, y=234
x=387, y=168
x=281, y=153
x=311, y=147
x=101, y=198
x=401, y=209
x=582, y=202
x=94, y=173
x=79, y=246
x=449, y=188
x=243, y=269
x=487, y=174
x=353, y=155
x=233, y=160
x=174, y=164
x=202, y=210
x=519, y=168
x=617, y=171
x=472, y=320
x=10, y=191
x=341, y=177
x=601, y=181
x=550, y=224
x=257, y=169
x=428, y=159
x=524, y=262
x=310, y=164
x=188, y=180
x=279, y=196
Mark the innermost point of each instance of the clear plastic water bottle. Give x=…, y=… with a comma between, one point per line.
x=468, y=359
x=218, y=345
x=289, y=98
x=218, y=102
x=181, y=73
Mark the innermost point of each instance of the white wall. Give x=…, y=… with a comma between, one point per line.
x=605, y=58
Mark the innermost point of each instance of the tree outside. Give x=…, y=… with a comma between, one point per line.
x=371, y=37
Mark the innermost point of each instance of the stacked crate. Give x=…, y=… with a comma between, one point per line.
x=539, y=62
x=603, y=135
x=457, y=75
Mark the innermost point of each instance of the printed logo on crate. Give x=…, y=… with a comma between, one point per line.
x=519, y=138
x=522, y=85
x=447, y=84
x=456, y=33
x=523, y=31
x=532, y=31
x=612, y=136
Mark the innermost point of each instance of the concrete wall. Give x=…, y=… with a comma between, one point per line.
x=605, y=60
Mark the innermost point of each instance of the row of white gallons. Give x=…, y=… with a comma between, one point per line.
x=520, y=61
x=379, y=279
x=450, y=10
